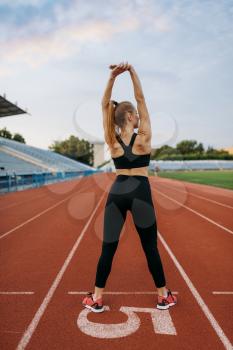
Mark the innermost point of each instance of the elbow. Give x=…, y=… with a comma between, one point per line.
x=104, y=103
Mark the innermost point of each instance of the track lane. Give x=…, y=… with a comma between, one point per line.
x=202, y=193
x=207, y=211
x=30, y=260
x=130, y=274
x=223, y=195
x=52, y=194
x=58, y=329
x=205, y=251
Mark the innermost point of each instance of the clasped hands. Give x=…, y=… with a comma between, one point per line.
x=120, y=68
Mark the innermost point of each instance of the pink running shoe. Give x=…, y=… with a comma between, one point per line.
x=165, y=302
x=89, y=303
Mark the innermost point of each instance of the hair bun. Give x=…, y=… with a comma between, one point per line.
x=115, y=102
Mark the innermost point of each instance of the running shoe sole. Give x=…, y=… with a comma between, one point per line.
x=93, y=309
x=163, y=305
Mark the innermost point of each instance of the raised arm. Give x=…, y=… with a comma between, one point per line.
x=145, y=125
x=108, y=91
x=116, y=70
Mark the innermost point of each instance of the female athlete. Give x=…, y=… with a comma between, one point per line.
x=131, y=190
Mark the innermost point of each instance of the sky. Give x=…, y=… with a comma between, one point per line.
x=54, y=58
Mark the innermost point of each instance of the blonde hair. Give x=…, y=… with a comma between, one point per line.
x=116, y=118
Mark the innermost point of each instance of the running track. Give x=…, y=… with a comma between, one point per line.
x=50, y=243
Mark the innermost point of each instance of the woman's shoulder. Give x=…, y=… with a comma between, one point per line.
x=142, y=143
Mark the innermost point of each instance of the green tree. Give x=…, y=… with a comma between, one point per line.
x=188, y=150
x=74, y=148
x=5, y=133
x=200, y=149
x=19, y=138
x=8, y=135
x=210, y=149
x=186, y=146
x=164, y=150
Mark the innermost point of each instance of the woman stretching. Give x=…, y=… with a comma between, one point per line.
x=131, y=190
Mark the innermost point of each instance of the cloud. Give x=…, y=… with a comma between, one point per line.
x=181, y=49
x=17, y=3
x=59, y=32
x=63, y=42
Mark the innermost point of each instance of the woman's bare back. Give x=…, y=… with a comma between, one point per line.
x=140, y=147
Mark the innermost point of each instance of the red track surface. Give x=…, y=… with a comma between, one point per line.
x=51, y=240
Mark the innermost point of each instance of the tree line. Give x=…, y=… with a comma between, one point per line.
x=189, y=150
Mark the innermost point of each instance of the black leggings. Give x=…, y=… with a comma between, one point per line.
x=130, y=192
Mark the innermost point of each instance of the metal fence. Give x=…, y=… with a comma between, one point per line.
x=170, y=165
x=16, y=182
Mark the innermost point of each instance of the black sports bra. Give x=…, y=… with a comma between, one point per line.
x=130, y=160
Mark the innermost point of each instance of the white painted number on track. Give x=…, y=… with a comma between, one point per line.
x=161, y=321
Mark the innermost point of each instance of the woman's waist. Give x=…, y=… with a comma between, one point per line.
x=122, y=177
x=133, y=172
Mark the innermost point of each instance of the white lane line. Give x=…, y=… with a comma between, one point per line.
x=195, y=212
x=198, y=196
x=23, y=202
x=219, y=331
x=196, y=185
x=11, y=332
x=13, y=293
x=38, y=215
x=218, y=292
x=36, y=319
x=117, y=293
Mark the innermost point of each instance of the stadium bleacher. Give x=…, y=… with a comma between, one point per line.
x=209, y=164
x=11, y=164
x=23, y=166
x=17, y=157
